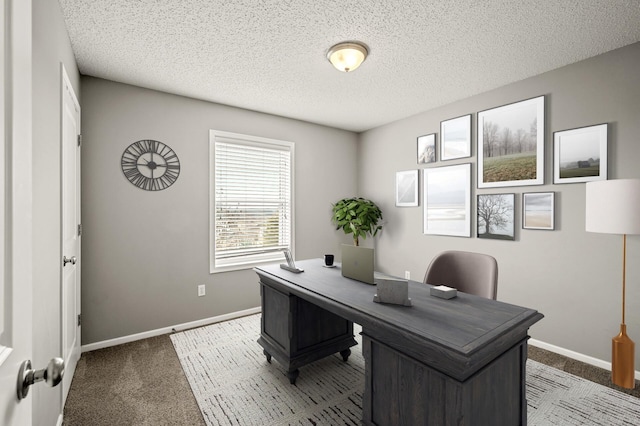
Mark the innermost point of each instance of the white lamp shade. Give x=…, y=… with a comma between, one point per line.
x=613, y=206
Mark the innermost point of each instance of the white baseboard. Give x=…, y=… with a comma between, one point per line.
x=165, y=330
x=59, y=422
x=575, y=355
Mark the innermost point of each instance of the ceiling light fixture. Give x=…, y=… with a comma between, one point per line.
x=348, y=55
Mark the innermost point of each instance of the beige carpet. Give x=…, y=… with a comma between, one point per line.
x=138, y=383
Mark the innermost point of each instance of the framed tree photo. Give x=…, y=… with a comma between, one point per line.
x=538, y=210
x=511, y=144
x=407, y=188
x=447, y=200
x=455, y=138
x=496, y=216
x=580, y=155
x=427, y=149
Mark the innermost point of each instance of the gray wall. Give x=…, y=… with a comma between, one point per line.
x=144, y=253
x=51, y=46
x=571, y=276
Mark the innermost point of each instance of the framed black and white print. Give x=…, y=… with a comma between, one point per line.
x=427, y=149
x=407, y=188
x=447, y=200
x=496, y=216
x=511, y=144
x=580, y=155
x=455, y=138
x=538, y=210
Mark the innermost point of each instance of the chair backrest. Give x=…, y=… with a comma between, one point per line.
x=472, y=273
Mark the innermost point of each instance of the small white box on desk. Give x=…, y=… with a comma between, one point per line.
x=444, y=292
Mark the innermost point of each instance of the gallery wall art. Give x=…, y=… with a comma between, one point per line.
x=427, y=149
x=510, y=152
x=407, y=188
x=511, y=144
x=538, y=210
x=580, y=155
x=447, y=200
x=496, y=216
x=455, y=138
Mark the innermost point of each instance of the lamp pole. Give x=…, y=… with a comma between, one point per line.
x=622, y=347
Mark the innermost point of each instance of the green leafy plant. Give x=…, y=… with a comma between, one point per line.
x=357, y=216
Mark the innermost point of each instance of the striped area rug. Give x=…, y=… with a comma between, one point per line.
x=234, y=385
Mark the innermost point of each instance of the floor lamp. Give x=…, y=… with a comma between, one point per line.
x=613, y=207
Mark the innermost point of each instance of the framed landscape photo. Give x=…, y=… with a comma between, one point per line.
x=407, y=188
x=580, y=155
x=455, y=138
x=496, y=216
x=447, y=200
x=511, y=144
x=427, y=149
x=538, y=210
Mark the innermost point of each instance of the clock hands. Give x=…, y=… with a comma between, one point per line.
x=151, y=165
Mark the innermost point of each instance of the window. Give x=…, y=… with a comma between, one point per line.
x=251, y=200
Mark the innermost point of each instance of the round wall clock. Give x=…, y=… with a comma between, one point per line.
x=150, y=165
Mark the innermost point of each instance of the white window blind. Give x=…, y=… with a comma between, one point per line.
x=252, y=216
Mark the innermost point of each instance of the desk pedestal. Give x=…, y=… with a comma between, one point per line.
x=400, y=390
x=296, y=332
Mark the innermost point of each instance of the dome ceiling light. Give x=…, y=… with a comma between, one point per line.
x=348, y=55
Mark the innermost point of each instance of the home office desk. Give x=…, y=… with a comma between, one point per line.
x=440, y=362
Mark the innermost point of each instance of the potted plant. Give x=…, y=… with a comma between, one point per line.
x=357, y=216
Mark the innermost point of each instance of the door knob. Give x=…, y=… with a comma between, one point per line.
x=52, y=375
x=66, y=260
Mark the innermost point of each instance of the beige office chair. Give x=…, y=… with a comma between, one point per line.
x=472, y=273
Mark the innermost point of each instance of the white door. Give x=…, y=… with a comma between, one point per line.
x=70, y=170
x=15, y=207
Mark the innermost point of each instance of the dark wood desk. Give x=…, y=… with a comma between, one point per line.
x=440, y=362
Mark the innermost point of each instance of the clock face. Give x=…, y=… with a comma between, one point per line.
x=150, y=165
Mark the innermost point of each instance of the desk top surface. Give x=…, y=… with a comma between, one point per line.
x=464, y=323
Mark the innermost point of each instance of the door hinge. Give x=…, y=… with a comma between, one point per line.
x=79, y=320
x=79, y=230
x=80, y=140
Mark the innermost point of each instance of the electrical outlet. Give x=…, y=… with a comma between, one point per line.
x=201, y=290
x=407, y=275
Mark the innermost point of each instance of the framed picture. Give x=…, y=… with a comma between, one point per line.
x=427, y=149
x=447, y=200
x=455, y=138
x=496, y=216
x=538, y=210
x=407, y=188
x=580, y=155
x=511, y=144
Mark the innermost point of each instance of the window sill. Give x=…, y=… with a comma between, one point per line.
x=243, y=266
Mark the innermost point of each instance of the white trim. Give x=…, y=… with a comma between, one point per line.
x=69, y=340
x=170, y=329
x=575, y=355
x=59, y=422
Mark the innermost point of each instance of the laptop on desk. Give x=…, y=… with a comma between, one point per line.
x=357, y=263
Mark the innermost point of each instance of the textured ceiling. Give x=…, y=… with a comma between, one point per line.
x=269, y=56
